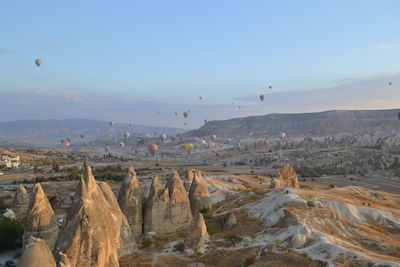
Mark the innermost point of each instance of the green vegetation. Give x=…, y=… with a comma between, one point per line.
x=11, y=232
x=305, y=171
x=179, y=247
x=234, y=239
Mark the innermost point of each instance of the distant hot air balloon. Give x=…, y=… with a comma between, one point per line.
x=188, y=147
x=127, y=135
x=158, y=112
x=270, y=87
x=200, y=97
x=239, y=107
x=184, y=124
x=266, y=140
x=66, y=144
x=130, y=125
x=68, y=139
x=121, y=144
x=163, y=137
x=213, y=137
x=152, y=148
x=262, y=97
x=185, y=114
x=176, y=113
x=62, y=141
x=390, y=83
x=282, y=135
x=82, y=135
x=205, y=121
x=38, y=62
x=112, y=123
x=398, y=115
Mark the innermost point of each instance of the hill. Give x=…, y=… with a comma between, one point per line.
x=49, y=132
x=302, y=124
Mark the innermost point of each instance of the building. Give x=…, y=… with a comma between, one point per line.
x=10, y=162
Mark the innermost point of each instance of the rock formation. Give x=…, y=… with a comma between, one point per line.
x=63, y=260
x=230, y=223
x=197, y=235
x=36, y=253
x=286, y=178
x=167, y=209
x=198, y=194
x=20, y=202
x=189, y=175
x=96, y=231
x=130, y=200
x=41, y=221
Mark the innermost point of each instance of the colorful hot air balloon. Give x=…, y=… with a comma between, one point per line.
x=262, y=97
x=38, y=62
x=127, y=135
x=188, y=147
x=185, y=114
x=282, y=135
x=176, y=113
x=163, y=137
x=121, y=144
x=112, y=123
x=153, y=148
x=66, y=144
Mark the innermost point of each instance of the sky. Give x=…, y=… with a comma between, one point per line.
x=158, y=54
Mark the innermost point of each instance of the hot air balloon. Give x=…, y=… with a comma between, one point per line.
x=239, y=107
x=262, y=97
x=176, y=113
x=270, y=87
x=38, y=62
x=185, y=114
x=200, y=97
x=82, y=135
x=213, y=137
x=130, y=125
x=121, y=144
x=68, y=139
x=158, y=112
x=62, y=141
x=390, y=83
x=163, y=137
x=66, y=144
x=112, y=123
x=205, y=121
x=266, y=140
x=398, y=115
x=188, y=147
x=152, y=148
x=127, y=135
x=282, y=135
x=184, y=124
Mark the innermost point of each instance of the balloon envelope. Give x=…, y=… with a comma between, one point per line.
x=152, y=148
x=66, y=144
x=122, y=145
x=127, y=135
x=163, y=137
x=189, y=147
x=112, y=123
x=38, y=62
x=185, y=114
x=262, y=97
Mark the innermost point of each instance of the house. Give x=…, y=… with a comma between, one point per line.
x=11, y=162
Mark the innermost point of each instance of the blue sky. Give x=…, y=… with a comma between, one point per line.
x=174, y=51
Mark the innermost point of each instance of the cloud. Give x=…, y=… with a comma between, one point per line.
x=383, y=46
x=6, y=51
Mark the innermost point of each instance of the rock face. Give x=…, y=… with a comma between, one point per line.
x=41, y=220
x=36, y=253
x=167, y=210
x=96, y=231
x=197, y=235
x=189, y=176
x=20, y=202
x=198, y=194
x=130, y=199
x=286, y=178
x=63, y=260
x=230, y=223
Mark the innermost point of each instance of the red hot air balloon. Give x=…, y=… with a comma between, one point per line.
x=152, y=148
x=66, y=144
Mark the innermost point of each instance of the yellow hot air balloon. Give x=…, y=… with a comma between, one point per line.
x=188, y=147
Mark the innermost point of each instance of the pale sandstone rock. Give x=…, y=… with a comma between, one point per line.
x=36, y=253
x=286, y=178
x=199, y=196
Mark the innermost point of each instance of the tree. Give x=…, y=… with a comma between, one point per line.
x=234, y=239
x=11, y=232
x=55, y=166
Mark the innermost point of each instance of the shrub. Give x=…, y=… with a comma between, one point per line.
x=146, y=243
x=179, y=247
x=234, y=239
x=11, y=232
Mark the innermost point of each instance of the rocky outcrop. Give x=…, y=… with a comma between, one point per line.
x=96, y=231
x=189, y=176
x=130, y=199
x=41, y=221
x=36, y=253
x=20, y=202
x=198, y=194
x=286, y=178
x=63, y=260
x=230, y=222
x=167, y=210
x=197, y=235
